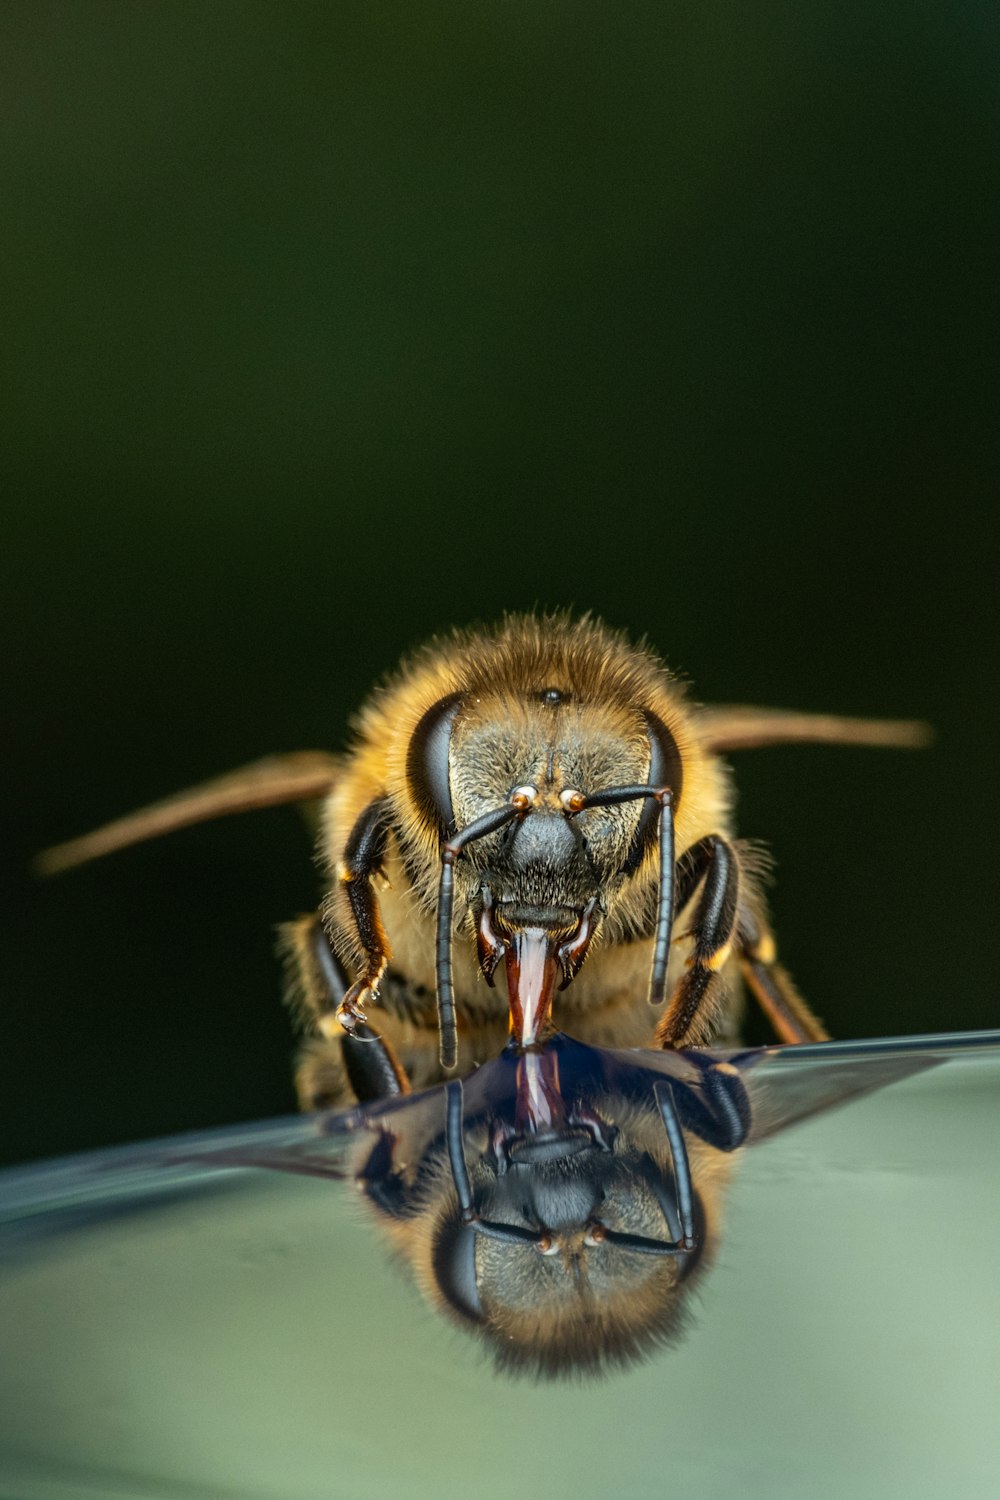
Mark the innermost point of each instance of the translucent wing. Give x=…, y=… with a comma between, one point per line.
x=740, y=726
x=298, y=777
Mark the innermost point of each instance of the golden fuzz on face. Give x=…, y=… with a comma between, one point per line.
x=534, y=685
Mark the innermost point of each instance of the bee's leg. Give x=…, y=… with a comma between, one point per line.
x=729, y=920
x=319, y=987
x=356, y=901
x=770, y=984
x=688, y=1017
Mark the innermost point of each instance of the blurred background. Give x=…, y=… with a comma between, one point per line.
x=327, y=327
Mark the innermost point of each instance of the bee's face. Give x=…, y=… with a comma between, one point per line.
x=545, y=868
x=538, y=888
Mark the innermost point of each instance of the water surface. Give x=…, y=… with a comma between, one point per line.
x=179, y=1329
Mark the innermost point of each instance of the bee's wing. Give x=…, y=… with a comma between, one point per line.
x=789, y=1084
x=740, y=726
x=298, y=777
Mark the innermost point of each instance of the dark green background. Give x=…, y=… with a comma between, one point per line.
x=326, y=326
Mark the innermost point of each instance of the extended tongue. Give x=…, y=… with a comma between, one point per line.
x=533, y=968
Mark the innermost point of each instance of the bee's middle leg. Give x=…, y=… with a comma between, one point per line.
x=771, y=985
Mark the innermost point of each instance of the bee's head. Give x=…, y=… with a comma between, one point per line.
x=545, y=807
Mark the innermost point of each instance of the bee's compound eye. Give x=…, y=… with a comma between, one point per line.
x=428, y=763
x=524, y=796
x=572, y=800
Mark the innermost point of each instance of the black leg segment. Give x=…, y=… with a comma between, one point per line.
x=362, y=858
x=372, y=1069
x=685, y=1019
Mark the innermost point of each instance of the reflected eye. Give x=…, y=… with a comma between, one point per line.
x=454, y=1262
x=427, y=764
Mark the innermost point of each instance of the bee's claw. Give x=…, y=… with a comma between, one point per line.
x=350, y=1015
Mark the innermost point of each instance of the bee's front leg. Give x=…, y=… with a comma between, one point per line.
x=356, y=920
x=727, y=922
x=712, y=864
x=351, y=1045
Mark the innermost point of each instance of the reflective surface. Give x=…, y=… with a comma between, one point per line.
x=178, y=1322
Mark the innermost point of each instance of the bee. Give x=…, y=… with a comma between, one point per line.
x=541, y=801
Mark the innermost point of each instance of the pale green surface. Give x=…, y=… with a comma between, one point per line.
x=252, y=1341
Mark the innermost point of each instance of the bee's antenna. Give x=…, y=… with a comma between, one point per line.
x=665, y=905
x=576, y=802
x=518, y=805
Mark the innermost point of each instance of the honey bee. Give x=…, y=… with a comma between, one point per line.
x=541, y=800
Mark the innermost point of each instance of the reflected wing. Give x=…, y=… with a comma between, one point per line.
x=784, y=1085
x=301, y=1161
x=789, y=1084
x=740, y=726
x=793, y=1083
x=277, y=779
x=96, y=1183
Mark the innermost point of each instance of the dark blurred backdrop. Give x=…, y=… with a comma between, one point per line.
x=328, y=326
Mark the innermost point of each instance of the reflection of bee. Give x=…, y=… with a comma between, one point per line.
x=570, y=1205
x=564, y=1201
x=543, y=794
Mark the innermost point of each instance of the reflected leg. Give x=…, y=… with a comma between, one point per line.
x=720, y=1112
